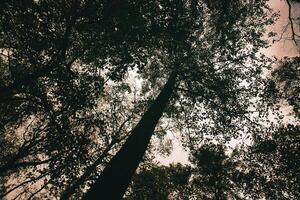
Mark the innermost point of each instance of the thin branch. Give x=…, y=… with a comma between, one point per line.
x=20, y=194
x=291, y=21
x=32, y=163
x=39, y=190
x=25, y=182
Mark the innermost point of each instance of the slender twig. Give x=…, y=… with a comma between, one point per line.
x=36, y=192
x=25, y=182
x=291, y=22
x=19, y=195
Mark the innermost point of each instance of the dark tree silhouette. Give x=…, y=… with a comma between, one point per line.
x=45, y=89
x=267, y=169
x=194, y=64
x=161, y=182
x=198, y=58
x=117, y=176
x=284, y=83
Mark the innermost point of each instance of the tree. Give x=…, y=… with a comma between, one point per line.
x=203, y=47
x=55, y=63
x=269, y=167
x=73, y=163
x=284, y=83
x=160, y=182
x=209, y=176
x=213, y=173
x=52, y=59
x=266, y=169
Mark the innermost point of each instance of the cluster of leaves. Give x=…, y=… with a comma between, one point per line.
x=271, y=165
x=284, y=84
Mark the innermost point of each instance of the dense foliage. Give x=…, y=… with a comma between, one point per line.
x=268, y=169
x=77, y=75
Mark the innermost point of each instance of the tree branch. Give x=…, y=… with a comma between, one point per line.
x=25, y=182
x=294, y=35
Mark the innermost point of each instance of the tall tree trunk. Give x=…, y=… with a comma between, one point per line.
x=116, y=177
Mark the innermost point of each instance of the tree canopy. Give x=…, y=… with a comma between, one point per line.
x=87, y=86
x=266, y=169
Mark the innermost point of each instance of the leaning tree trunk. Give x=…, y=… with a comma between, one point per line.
x=116, y=177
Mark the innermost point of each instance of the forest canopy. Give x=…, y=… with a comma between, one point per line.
x=90, y=92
